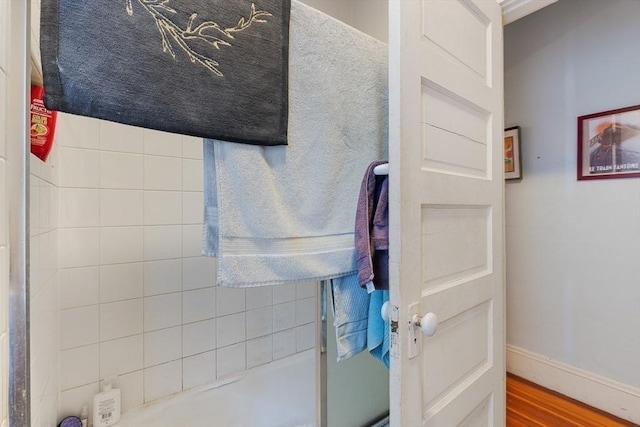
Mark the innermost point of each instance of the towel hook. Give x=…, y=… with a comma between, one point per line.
x=381, y=169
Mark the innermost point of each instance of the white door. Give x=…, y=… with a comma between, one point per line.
x=446, y=212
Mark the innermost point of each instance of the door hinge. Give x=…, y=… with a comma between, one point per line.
x=394, y=347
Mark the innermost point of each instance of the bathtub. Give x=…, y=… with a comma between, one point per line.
x=279, y=394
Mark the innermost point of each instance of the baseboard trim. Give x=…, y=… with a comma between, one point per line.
x=595, y=390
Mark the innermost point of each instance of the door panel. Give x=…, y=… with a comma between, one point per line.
x=456, y=131
x=455, y=243
x=441, y=24
x=446, y=212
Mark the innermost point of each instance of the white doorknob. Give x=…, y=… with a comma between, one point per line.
x=428, y=323
x=384, y=311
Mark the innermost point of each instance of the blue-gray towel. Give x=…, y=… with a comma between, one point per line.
x=207, y=68
x=350, y=305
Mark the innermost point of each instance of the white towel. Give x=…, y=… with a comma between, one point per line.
x=285, y=214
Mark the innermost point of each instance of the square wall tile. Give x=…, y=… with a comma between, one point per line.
x=284, y=316
x=3, y=104
x=120, y=207
x=259, y=351
x=162, y=311
x=198, y=337
x=259, y=322
x=162, y=346
x=120, y=245
x=192, y=207
x=4, y=290
x=71, y=401
x=230, y=300
x=162, y=143
x=162, y=207
x=120, y=171
x=284, y=344
x=54, y=206
x=192, y=179
x=305, y=311
x=198, y=370
x=80, y=247
x=34, y=200
x=4, y=365
x=78, y=327
x=306, y=290
x=119, y=282
x=78, y=207
x=79, y=366
x=305, y=337
x=284, y=293
x=79, y=168
x=162, y=173
x=191, y=240
x=259, y=296
x=119, y=137
x=4, y=386
x=79, y=287
x=38, y=378
x=4, y=229
x=120, y=319
x=35, y=251
x=192, y=147
x=162, y=380
x=162, y=277
x=162, y=242
x=230, y=329
x=45, y=202
x=198, y=305
x=198, y=272
x=131, y=388
x=121, y=356
x=4, y=50
x=231, y=359
x=77, y=131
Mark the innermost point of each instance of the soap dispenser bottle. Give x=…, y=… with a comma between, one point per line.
x=106, y=406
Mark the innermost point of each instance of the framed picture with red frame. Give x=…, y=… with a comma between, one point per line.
x=609, y=144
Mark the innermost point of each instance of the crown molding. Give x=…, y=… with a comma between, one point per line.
x=513, y=10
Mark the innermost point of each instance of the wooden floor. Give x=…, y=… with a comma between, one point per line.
x=529, y=405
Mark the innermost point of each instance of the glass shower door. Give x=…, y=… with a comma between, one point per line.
x=354, y=392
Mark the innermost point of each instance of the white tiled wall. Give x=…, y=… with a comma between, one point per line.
x=43, y=262
x=44, y=280
x=44, y=321
x=137, y=299
x=4, y=227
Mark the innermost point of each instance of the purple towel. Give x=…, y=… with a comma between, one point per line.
x=372, y=230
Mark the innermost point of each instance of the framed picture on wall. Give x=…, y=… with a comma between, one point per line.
x=609, y=144
x=512, y=159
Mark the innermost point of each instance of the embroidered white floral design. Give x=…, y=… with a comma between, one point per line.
x=208, y=32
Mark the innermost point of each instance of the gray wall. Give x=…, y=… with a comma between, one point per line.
x=368, y=16
x=573, y=248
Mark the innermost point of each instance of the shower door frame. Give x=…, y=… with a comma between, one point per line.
x=18, y=153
